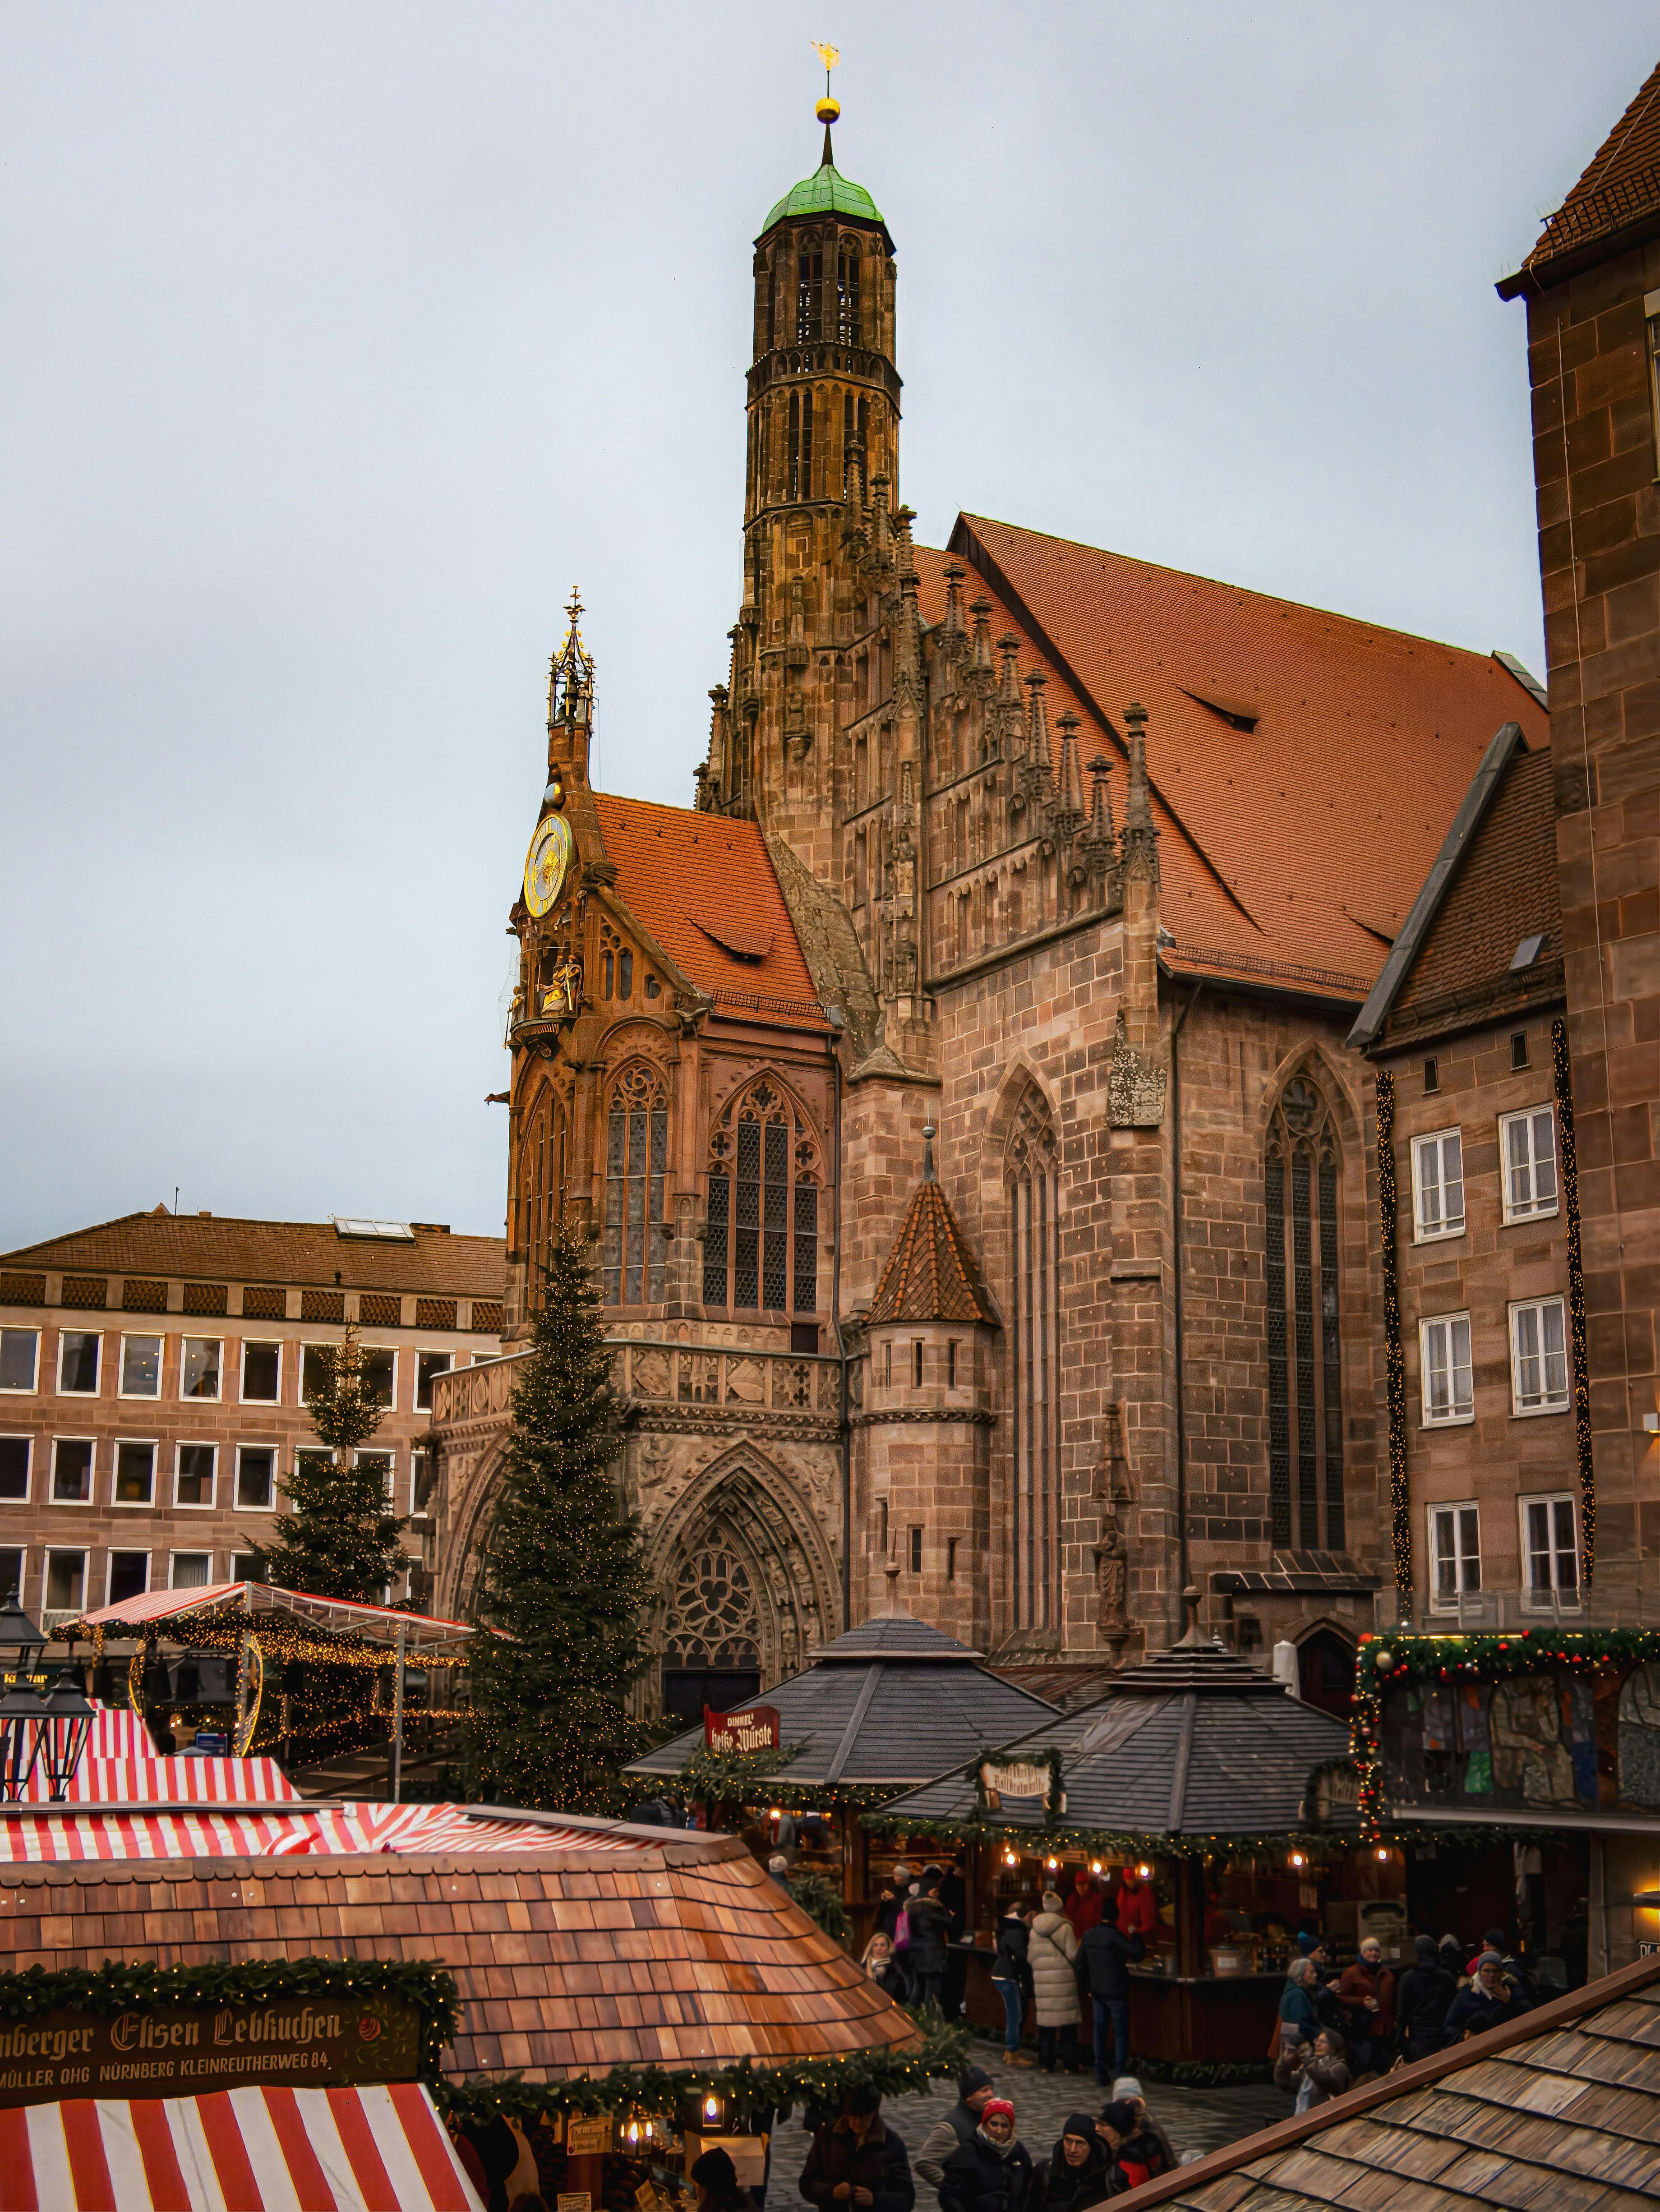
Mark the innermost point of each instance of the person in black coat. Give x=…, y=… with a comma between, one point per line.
x=857, y=2162
x=992, y=2171
x=1491, y=2000
x=1077, y=2174
x=1422, y=1999
x=975, y=2090
x=930, y=1923
x=1103, y=1957
x=1010, y=1976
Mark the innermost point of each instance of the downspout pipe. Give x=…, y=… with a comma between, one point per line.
x=1175, y=1285
x=844, y=1425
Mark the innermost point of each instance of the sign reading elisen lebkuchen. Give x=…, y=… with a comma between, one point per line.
x=753, y=1728
x=178, y=2051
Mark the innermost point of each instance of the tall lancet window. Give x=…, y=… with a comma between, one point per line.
x=760, y=1242
x=847, y=293
x=800, y=444
x=540, y=1189
x=636, y=1164
x=809, y=282
x=1032, y=1182
x=1305, y=1354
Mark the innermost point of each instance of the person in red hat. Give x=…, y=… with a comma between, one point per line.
x=992, y=2171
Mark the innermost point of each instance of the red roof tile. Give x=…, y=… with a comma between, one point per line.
x=1621, y=185
x=224, y=1247
x=929, y=1275
x=704, y=887
x=1302, y=841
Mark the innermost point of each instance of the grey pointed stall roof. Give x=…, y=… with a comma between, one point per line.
x=893, y=1701
x=1192, y=1742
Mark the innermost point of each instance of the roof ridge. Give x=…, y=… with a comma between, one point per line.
x=1245, y=591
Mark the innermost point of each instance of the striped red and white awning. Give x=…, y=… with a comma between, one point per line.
x=237, y=2150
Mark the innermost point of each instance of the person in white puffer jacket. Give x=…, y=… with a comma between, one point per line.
x=1055, y=1985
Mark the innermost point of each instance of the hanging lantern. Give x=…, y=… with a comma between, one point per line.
x=21, y=1640
x=22, y=1724
x=65, y=1725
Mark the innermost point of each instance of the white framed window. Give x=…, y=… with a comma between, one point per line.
x=141, y=1367
x=20, y=1359
x=1538, y=1356
x=195, y=1476
x=427, y=1364
x=245, y=1566
x=135, y=1473
x=17, y=1463
x=420, y=1482
x=188, y=1570
x=199, y=1362
x=387, y=1462
x=1437, y=1185
x=1527, y=1155
x=256, y=1478
x=65, y=1582
x=78, y=1353
x=1444, y=1347
x=71, y=1470
x=13, y=1560
x=1455, y=1554
x=262, y=1372
x=380, y=1373
x=126, y=1574
x=1550, y=1552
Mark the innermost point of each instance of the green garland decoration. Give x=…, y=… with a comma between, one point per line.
x=790, y=1796
x=1562, y=1071
x=1395, y=1365
x=1384, y=1662
x=747, y=2090
x=115, y=1987
x=1126, y=1843
x=820, y=1899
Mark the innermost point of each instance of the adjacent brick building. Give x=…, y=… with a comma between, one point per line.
x=1592, y=286
x=151, y=1374
x=1088, y=865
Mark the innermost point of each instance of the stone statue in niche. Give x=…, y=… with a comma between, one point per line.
x=1112, y=1585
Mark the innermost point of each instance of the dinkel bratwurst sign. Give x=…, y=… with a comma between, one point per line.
x=753, y=1728
x=178, y=2051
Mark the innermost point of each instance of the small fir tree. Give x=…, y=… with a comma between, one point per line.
x=338, y=1539
x=564, y=1579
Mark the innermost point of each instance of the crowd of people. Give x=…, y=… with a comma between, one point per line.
x=1338, y=2027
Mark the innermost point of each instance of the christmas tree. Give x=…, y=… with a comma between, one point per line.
x=338, y=1539
x=563, y=1577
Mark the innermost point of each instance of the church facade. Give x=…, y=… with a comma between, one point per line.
x=958, y=1093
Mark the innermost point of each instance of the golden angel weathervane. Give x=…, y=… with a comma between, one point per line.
x=828, y=108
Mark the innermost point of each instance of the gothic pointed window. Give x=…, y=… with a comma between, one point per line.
x=805, y=491
x=795, y=468
x=847, y=293
x=540, y=1189
x=711, y=1633
x=1305, y=1340
x=847, y=435
x=761, y=1240
x=636, y=1166
x=1031, y=1180
x=809, y=282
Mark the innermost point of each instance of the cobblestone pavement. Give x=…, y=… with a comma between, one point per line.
x=1196, y=2120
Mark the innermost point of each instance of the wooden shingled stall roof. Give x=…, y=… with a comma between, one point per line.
x=1559, y=2110
x=1192, y=1741
x=892, y=1701
x=675, y=1949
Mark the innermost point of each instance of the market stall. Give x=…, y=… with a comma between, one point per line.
x=1233, y=1799
x=889, y=1705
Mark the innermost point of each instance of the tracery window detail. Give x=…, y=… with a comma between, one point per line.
x=637, y=1166
x=713, y=1621
x=809, y=281
x=847, y=293
x=540, y=1188
x=1030, y=1169
x=761, y=1240
x=1305, y=1340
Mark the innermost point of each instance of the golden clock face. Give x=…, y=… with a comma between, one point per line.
x=546, y=863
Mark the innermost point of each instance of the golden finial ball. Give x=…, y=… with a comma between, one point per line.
x=828, y=109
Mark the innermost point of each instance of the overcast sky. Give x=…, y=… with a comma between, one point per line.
x=342, y=339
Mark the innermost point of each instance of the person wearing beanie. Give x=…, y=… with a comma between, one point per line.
x=1076, y=2173
x=1127, y=2090
x=715, y=2179
x=1136, y=2154
x=857, y=2164
x=975, y=2089
x=1452, y=1957
x=992, y=2171
x=1052, y=1948
x=1491, y=1999
x=1105, y=1954
x=1422, y=2000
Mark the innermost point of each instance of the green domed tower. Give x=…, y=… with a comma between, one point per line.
x=821, y=486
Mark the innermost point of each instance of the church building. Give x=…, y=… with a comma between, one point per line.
x=958, y=1092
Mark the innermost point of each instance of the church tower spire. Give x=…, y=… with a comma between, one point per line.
x=820, y=488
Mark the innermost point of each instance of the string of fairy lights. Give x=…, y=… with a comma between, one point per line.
x=1395, y=1359
x=1562, y=1071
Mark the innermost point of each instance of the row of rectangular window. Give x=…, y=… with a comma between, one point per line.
x=1549, y=1529
x=134, y=1470
x=201, y=1360
x=127, y=1574
x=1527, y=1154
x=1538, y=1354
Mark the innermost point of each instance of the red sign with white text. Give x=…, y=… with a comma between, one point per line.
x=754, y=1728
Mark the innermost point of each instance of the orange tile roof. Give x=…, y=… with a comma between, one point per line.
x=705, y=889
x=224, y=1247
x=676, y=1951
x=929, y=1275
x=1621, y=186
x=1303, y=840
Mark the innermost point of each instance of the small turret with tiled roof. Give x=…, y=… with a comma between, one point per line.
x=930, y=1275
